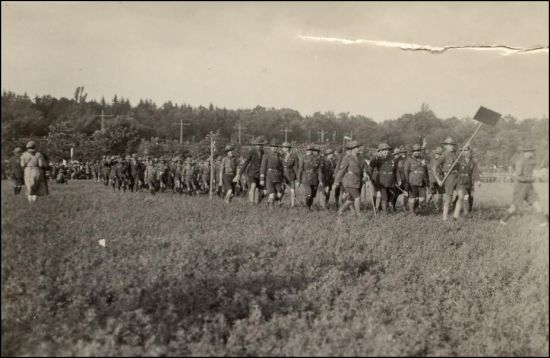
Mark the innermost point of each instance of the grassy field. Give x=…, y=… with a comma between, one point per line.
x=189, y=276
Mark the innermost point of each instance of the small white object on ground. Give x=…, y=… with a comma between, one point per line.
x=102, y=242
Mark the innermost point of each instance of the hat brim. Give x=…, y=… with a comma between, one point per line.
x=388, y=148
x=448, y=143
x=355, y=146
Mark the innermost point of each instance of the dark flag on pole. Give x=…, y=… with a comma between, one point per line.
x=485, y=115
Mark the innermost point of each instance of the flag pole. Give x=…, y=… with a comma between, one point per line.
x=461, y=151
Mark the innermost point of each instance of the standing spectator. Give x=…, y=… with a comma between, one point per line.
x=16, y=170
x=33, y=164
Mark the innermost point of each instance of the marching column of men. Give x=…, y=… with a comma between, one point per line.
x=271, y=170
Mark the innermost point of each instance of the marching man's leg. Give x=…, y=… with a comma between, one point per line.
x=459, y=203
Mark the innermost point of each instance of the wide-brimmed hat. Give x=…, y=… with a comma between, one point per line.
x=449, y=141
x=259, y=141
x=17, y=150
x=31, y=145
x=353, y=144
x=383, y=146
x=313, y=148
x=328, y=151
x=438, y=150
x=397, y=151
x=228, y=148
x=286, y=145
x=274, y=143
x=416, y=148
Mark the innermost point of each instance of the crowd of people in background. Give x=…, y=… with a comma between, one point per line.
x=443, y=179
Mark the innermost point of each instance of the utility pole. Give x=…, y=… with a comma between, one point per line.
x=322, y=132
x=286, y=130
x=213, y=137
x=240, y=129
x=181, y=129
x=334, y=137
x=309, y=136
x=103, y=116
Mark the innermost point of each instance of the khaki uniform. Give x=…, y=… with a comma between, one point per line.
x=351, y=173
x=384, y=176
x=228, y=169
x=523, y=187
x=416, y=175
x=271, y=172
x=251, y=165
x=443, y=165
x=290, y=168
x=310, y=176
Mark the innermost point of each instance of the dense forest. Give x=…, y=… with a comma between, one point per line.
x=147, y=128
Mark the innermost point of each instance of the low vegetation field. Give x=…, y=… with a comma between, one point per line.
x=189, y=276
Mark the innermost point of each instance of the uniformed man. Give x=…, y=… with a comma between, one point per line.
x=468, y=178
x=16, y=171
x=416, y=177
x=251, y=167
x=402, y=186
x=162, y=171
x=205, y=174
x=228, y=169
x=189, y=174
x=435, y=191
x=178, y=175
x=135, y=173
x=290, y=168
x=151, y=176
x=443, y=165
x=113, y=171
x=523, y=187
x=351, y=174
x=216, y=179
x=271, y=174
x=123, y=173
x=328, y=168
x=310, y=175
x=385, y=179
x=339, y=192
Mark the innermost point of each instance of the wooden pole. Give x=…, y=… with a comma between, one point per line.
x=103, y=116
x=460, y=154
x=286, y=130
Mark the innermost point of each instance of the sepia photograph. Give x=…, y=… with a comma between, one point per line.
x=274, y=178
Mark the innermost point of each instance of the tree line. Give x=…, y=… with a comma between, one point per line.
x=147, y=128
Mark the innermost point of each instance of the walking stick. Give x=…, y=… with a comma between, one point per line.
x=371, y=194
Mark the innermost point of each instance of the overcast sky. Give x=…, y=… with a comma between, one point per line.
x=240, y=55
